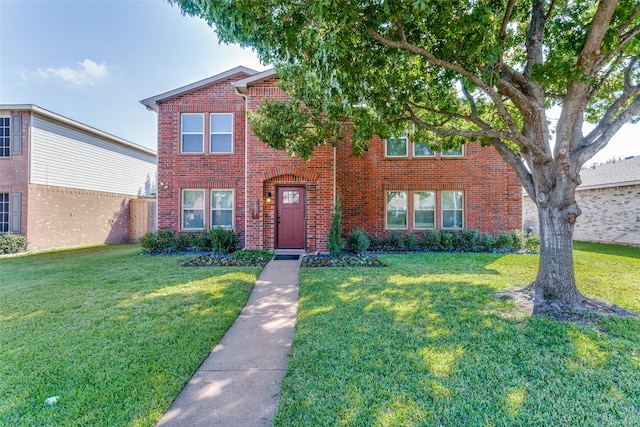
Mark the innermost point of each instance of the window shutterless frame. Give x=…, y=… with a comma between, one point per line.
x=193, y=207
x=396, y=208
x=192, y=133
x=452, y=209
x=222, y=208
x=397, y=146
x=221, y=133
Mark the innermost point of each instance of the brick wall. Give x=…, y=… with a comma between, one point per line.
x=492, y=192
x=65, y=217
x=177, y=171
x=609, y=215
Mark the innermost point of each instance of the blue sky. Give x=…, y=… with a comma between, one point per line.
x=94, y=60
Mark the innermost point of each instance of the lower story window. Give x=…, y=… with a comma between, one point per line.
x=424, y=209
x=222, y=208
x=193, y=209
x=4, y=212
x=452, y=209
x=396, y=209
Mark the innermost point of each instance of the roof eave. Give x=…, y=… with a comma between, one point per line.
x=243, y=85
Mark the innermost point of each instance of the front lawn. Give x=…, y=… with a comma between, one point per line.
x=115, y=335
x=425, y=342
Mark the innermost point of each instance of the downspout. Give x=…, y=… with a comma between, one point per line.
x=246, y=166
x=334, y=178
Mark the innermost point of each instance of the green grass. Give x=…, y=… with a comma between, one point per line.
x=115, y=335
x=425, y=343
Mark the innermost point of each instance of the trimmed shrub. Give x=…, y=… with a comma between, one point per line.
x=161, y=241
x=184, y=242
x=429, y=240
x=486, y=243
x=376, y=243
x=395, y=241
x=223, y=241
x=519, y=240
x=411, y=242
x=503, y=241
x=446, y=240
x=12, y=243
x=358, y=241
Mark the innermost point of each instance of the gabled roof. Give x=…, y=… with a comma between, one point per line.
x=242, y=85
x=77, y=125
x=152, y=103
x=620, y=173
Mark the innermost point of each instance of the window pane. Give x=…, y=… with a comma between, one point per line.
x=397, y=219
x=421, y=149
x=290, y=197
x=452, y=219
x=424, y=219
x=424, y=199
x=222, y=199
x=451, y=200
x=192, y=143
x=221, y=123
x=457, y=152
x=397, y=147
x=193, y=219
x=193, y=199
x=223, y=218
x=221, y=143
x=193, y=123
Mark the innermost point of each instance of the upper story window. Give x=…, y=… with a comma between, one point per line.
x=193, y=209
x=397, y=146
x=456, y=152
x=401, y=147
x=222, y=208
x=5, y=136
x=221, y=133
x=192, y=133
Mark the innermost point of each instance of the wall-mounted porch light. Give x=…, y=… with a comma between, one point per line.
x=269, y=197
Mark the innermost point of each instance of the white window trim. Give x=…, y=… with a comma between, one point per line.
x=211, y=132
x=442, y=209
x=406, y=146
x=434, y=210
x=233, y=207
x=191, y=133
x=204, y=209
x=386, y=211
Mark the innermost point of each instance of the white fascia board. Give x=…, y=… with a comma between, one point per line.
x=152, y=102
x=242, y=85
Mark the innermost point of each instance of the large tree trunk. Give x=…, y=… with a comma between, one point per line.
x=556, y=283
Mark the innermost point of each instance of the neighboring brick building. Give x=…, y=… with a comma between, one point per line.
x=214, y=171
x=65, y=184
x=609, y=198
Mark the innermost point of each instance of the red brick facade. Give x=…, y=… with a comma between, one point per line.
x=491, y=191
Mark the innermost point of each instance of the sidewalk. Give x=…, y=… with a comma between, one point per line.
x=239, y=382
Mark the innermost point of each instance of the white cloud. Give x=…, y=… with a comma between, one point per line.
x=86, y=73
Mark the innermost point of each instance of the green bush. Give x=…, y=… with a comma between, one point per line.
x=12, y=243
x=376, y=243
x=519, y=240
x=335, y=242
x=358, y=241
x=161, y=241
x=223, y=241
x=411, y=242
x=486, y=243
x=184, y=241
x=532, y=243
x=446, y=241
x=503, y=241
x=429, y=240
x=252, y=254
x=395, y=241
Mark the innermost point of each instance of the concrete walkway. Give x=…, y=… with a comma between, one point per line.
x=239, y=382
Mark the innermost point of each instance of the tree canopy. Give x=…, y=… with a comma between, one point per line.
x=453, y=71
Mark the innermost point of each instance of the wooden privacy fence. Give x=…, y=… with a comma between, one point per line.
x=142, y=214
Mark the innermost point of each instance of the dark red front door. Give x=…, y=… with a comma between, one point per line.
x=290, y=221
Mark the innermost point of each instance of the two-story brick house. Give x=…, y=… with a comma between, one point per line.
x=213, y=171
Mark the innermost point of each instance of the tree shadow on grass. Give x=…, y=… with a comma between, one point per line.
x=368, y=351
